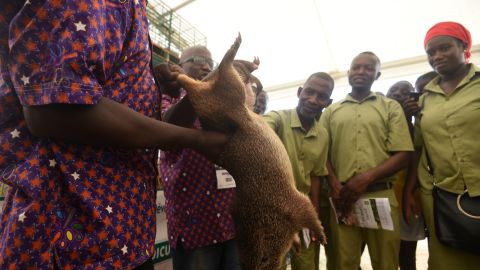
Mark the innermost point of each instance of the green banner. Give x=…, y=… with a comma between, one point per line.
x=162, y=252
x=3, y=191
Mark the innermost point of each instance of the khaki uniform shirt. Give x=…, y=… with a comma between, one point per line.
x=364, y=133
x=449, y=127
x=307, y=150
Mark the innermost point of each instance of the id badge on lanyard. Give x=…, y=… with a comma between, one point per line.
x=224, y=178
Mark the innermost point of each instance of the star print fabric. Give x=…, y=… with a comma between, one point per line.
x=69, y=205
x=198, y=213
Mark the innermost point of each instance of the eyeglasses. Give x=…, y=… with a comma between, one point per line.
x=200, y=60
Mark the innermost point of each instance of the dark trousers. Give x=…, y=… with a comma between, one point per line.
x=221, y=256
x=148, y=265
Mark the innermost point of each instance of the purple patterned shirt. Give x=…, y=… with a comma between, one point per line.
x=198, y=213
x=75, y=206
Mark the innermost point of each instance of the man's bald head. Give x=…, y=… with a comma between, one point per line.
x=196, y=61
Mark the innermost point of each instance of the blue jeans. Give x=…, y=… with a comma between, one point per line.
x=221, y=256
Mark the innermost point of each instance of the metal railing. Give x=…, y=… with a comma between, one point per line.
x=170, y=31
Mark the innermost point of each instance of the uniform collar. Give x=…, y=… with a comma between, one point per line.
x=296, y=123
x=349, y=98
x=433, y=86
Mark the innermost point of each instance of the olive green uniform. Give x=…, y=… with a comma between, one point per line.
x=363, y=134
x=308, y=155
x=325, y=218
x=448, y=128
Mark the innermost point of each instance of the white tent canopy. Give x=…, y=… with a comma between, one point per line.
x=296, y=38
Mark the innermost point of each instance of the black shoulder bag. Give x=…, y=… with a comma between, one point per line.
x=456, y=217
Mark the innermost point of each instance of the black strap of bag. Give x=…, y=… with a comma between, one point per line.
x=456, y=216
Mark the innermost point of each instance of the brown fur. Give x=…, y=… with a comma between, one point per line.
x=245, y=68
x=268, y=210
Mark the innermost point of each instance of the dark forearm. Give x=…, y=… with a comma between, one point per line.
x=107, y=123
x=411, y=182
x=331, y=177
x=393, y=164
x=315, y=190
x=181, y=114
